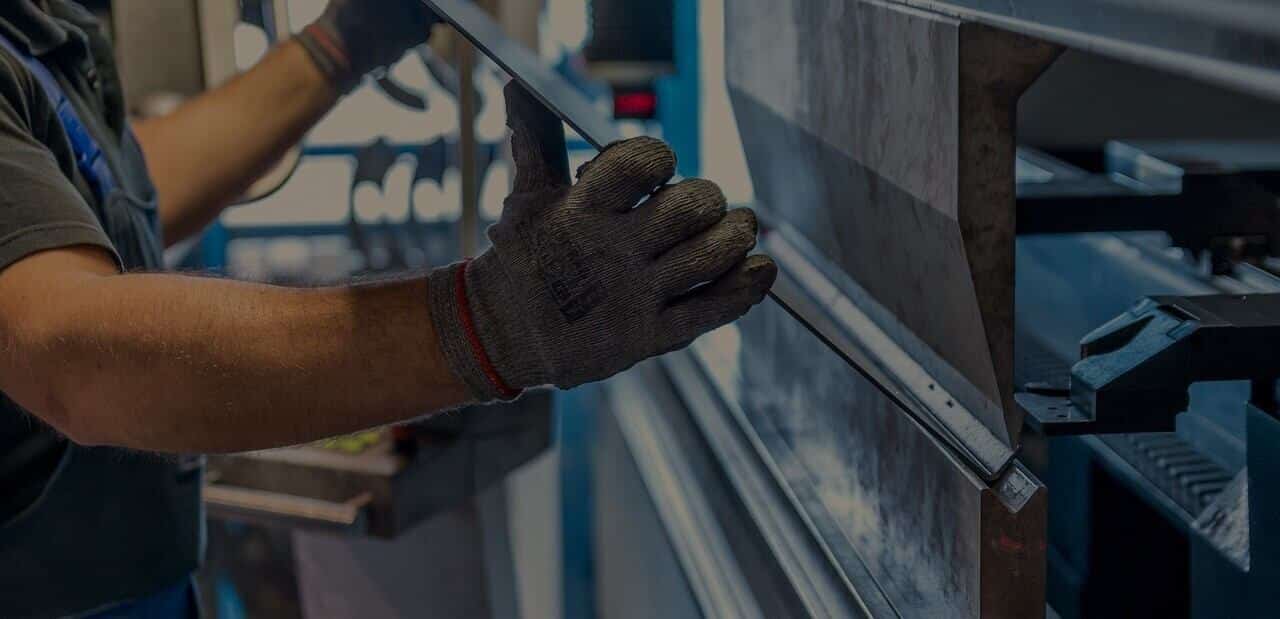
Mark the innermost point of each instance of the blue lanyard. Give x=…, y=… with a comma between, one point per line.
x=89, y=159
x=176, y=602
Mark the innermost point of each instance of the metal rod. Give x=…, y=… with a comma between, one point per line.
x=469, y=224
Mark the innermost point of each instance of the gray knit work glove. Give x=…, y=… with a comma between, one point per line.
x=354, y=37
x=581, y=283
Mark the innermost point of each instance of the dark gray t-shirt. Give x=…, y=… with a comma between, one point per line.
x=46, y=204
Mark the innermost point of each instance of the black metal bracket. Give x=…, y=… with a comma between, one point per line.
x=1135, y=371
x=1204, y=204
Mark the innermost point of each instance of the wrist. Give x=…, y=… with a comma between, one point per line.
x=330, y=55
x=473, y=337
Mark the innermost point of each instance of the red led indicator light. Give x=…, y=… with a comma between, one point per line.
x=639, y=105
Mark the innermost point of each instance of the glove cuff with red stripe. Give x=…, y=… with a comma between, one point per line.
x=330, y=56
x=470, y=335
x=353, y=37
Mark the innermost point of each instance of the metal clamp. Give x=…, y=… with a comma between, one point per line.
x=1135, y=371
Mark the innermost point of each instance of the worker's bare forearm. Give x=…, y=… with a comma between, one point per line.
x=208, y=152
x=182, y=364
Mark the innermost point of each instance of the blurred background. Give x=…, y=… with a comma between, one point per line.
x=394, y=180
x=379, y=185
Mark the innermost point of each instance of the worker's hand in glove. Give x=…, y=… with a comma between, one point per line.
x=585, y=280
x=354, y=37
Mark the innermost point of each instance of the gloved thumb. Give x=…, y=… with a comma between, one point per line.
x=537, y=142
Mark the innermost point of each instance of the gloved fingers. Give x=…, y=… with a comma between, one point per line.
x=410, y=19
x=537, y=142
x=722, y=302
x=624, y=173
x=677, y=212
x=372, y=34
x=707, y=255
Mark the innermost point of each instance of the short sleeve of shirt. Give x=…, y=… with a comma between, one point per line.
x=40, y=207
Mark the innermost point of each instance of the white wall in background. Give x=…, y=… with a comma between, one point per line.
x=722, y=158
x=317, y=194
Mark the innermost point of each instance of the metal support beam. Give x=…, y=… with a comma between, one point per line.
x=1230, y=43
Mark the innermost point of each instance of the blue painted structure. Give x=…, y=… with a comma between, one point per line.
x=679, y=95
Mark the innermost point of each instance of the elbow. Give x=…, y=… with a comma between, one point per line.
x=60, y=391
x=63, y=414
x=51, y=364
x=45, y=399
x=55, y=401
x=78, y=408
x=57, y=411
x=75, y=416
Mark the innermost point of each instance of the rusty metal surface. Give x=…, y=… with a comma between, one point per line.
x=884, y=135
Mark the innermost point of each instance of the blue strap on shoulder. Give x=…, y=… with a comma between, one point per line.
x=89, y=159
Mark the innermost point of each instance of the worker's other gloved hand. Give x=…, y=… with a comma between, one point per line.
x=581, y=283
x=354, y=37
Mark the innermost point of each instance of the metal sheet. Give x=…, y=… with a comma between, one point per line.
x=523, y=66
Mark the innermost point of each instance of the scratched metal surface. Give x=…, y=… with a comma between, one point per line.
x=883, y=134
x=898, y=501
